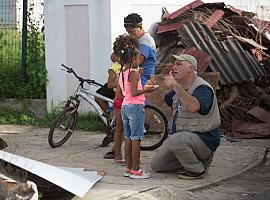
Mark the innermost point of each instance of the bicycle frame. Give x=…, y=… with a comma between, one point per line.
x=88, y=95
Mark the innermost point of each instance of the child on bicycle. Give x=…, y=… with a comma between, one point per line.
x=132, y=107
x=108, y=90
x=114, y=71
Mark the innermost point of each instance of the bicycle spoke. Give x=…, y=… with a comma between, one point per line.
x=155, y=128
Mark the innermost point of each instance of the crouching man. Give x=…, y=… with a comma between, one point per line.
x=196, y=133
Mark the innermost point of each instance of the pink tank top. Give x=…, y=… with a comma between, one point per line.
x=128, y=99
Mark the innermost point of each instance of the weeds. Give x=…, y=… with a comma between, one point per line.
x=87, y=122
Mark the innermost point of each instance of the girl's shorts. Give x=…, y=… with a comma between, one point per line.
x=133, y=121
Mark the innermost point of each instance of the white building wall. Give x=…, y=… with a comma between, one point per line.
x=105, y=23
x=88, y=53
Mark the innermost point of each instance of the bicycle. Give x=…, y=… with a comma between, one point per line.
x=64, y=124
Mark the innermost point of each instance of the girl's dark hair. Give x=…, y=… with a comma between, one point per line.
x=126, y=47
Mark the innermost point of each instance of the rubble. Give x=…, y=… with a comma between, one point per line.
x=253, y=130
x=10, y=189
x=225, y=40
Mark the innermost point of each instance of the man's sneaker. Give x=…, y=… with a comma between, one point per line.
x=180, y=171
x=127, y=172
x=192, y=175
x=206, y=163
x=139, y=174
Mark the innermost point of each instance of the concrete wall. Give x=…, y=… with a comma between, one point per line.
x=36, y=106
x=80, y=33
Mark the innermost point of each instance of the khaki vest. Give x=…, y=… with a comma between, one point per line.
x=195, y=122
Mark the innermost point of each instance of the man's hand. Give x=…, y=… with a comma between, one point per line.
x=149, y=82
x=169, y=81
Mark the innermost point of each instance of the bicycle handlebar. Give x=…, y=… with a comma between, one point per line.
x=82, y=80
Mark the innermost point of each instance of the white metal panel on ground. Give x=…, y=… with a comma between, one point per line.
x=74, y=180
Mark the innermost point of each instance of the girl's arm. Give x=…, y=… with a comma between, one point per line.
x=118, y=92
x=112, y=79
x=134, y=77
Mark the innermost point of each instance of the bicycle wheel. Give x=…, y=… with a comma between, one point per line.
x=156, y=130
x=62, y=127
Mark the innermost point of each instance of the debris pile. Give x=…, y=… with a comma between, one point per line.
x=10, y=189
x=229, y=42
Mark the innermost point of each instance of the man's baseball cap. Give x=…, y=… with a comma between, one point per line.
x=185, y=57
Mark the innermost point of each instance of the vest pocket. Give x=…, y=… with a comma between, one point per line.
x=187, y=121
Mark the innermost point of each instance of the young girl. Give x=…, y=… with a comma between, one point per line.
x=132, y=107
x=120, y=42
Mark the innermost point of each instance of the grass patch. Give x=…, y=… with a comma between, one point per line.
x=90, y=122
x=9, y=116
x=87, y=122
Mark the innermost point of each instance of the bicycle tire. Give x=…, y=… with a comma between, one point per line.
x=156, y=128
x=61, y=126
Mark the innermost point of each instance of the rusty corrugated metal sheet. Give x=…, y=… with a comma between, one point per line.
x=213, y=19
x=171, y=26
x=192, y=5
x=238, y=11
x=233, y=62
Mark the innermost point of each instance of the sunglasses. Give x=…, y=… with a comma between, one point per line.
x=131, y=25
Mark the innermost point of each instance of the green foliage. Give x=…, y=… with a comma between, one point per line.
x=10, y=54
x=36, y=70
x=11, y=85
x=87, y=122
x=90, y=122
x=10, y=40
x=8, y=116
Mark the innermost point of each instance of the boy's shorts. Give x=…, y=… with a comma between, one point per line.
x=105, y=91
x=133, y=121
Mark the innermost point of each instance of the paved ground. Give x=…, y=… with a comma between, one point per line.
x=253, y=184
x=82, y=151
